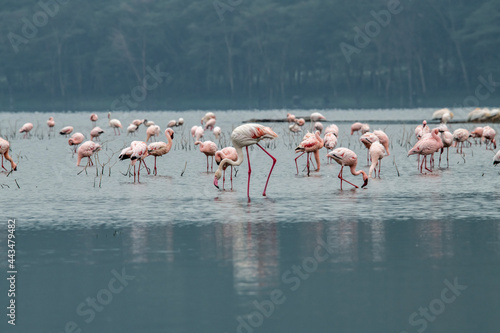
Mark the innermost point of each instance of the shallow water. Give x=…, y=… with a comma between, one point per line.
x=206, y=260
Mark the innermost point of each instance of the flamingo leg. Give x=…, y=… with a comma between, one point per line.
x=342, y=178
x=422, y=164
x=270, y=171
x=207, y=163
x=223, y=178
x=231, y=177
x=379, y=165
x=312, y=162
x=155, y=172
x=442, y=150
x=134, y=173
x=296, y=162
x=425, y=159
x=147, y=169
x=212, y=166
x=308, y=164
x=249, y=174
x=447, y=160
x=2, y=165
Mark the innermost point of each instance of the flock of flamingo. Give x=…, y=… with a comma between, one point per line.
x=429, y=141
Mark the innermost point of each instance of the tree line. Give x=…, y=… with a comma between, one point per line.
x=76, y=54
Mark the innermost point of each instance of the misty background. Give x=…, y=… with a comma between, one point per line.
x=84, y=55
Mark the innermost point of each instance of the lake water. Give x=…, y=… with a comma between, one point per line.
x=410, y=253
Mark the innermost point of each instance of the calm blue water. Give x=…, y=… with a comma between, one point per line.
x=174, y=254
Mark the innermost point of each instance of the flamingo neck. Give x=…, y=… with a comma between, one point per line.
x=239, y=151
x=358, y=172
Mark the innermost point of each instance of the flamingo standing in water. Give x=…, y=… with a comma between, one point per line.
x=377, y=153
x=359, y=127
x=383, y=139
x=332, y=129
x=447, y=139
x=51, y=123
x=367, y=139
x=427, y=145
x=87, y=149
x=66, y=130
x=115, y=123
x=208, y=148
x=244, y=136
x=230, y=153
x=290, y=117
x=210, y=124
x=421, y=130
x=4, y=151
x=489, y=136
x=76, y=139
x=161, y=148
x=460, y=136
x=330, y=142
x=137, y=151
x=346, y=157
x=310, y=144
x=207, y=117
x=217, y=132
x=26, y=128
x=95, y=133
x=93, y=119
x=152, y=131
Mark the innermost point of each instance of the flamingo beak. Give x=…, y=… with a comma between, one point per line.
x=216, y=182
x=365, y=183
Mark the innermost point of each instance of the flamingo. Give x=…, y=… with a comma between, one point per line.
x=172, y=123
x=330, y=142
x=66, y=131
x=51, y=123
x=310, y=144
x=290, y=117
x=447, y=139
x=496, y=158
x=367, y=139
x=210, y=124
x=208, y=148
x=444, y=115
x=295, y=128
x=300, y=121
x=489, y=135
x=316, y=116
x=161, y=148
x=477, y=133
x=131, y=129
x=137, y=122
x=427, y=145
x=95, y=133
x=230, y=153
x=460, y=136
x=26, y=128
x=198, y=133
x=318, y=127
x=137, y=151
x=93, y=119
x=359, y=127
x=217, y=132
x=180, y=122
x=87, y=149
x=207, y=117
x=346, y=157
x=148, y=123
x=377, y=153
x=420, y=130
x=383, y=139
x=244, y=136
x=152, y=131
x=4, y=151
x=76, y=139
x=115, y=123
x=332, y=129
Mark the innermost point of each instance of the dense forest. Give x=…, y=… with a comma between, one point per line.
x=178, y=54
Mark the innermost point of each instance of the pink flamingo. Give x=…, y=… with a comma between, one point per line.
x=290, y=117
x=367, y=139
x=152, y=131
x=4, y=151
x=346, y=157
x=311, y=144
x=332, y=129
x=230, y=153
x=26, y=128
x=172, y=123
x=318, y=127
x=420, y=130
x=66, y=130
x=244, y=136
x=330, y=142
x=208, y=148
x=427, y=145
x=161, y=148
x=198, y=133
x=460, y=136
x=210, y=124
x=137, y=122
x=447, y=139
x=93, y=119
x=87, y=149
x=217, y=132
x=489, y=135
x=300, y=121
x=51, y=123
x=114, y=123
x=477, y=133
x=377, y=153
x=207, y=117
x=496, y=158
x=359, y=127
x=76, y=139
x=383, y=139
x=95, y=133
x=137, y=151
